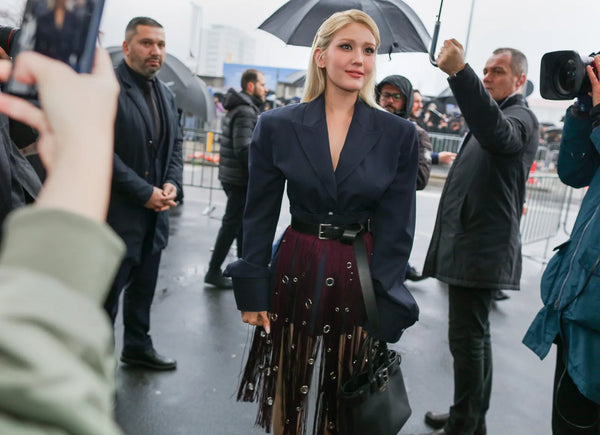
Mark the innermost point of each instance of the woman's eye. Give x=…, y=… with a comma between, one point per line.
x=346, y=46
x=370, y=50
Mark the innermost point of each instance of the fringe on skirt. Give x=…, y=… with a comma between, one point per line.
x=317, y=310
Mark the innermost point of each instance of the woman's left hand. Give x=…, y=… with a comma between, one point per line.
x=257, y=318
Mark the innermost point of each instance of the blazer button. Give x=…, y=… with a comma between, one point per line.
x=150, y=142
x=146, y=174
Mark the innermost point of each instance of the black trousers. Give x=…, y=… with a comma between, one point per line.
x=471, y=348
x=138, y=280
x=231, y=225
x=572, y=412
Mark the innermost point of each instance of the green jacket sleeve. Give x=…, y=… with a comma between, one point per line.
x=56, y=344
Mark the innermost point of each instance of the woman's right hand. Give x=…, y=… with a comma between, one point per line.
x=257, y=318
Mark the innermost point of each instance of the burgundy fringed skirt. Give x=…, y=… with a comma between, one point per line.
x=316, y=312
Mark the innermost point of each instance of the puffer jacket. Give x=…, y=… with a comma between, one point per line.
x=238, y=125
x=571, y=282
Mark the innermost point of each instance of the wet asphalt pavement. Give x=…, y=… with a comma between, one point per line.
x=201, y=327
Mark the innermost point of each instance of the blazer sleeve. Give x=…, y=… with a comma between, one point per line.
x=124, y=179
x=393, y=233
x=496, y=131
x=425, y=150
x=579, y=155
x=174, y=174
x=251, y=274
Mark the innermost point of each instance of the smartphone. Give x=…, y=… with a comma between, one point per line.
x=66, y=30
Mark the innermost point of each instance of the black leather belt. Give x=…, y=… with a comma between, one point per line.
x=351, y=234
x=344, y=233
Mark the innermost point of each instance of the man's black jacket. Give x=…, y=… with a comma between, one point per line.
x=476, y=241
x=136, y=170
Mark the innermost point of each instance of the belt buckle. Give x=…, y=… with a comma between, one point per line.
x=384, y=377
x=321, y=234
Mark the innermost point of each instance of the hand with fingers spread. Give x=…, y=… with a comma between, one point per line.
x=257, y=318
x=75, y=124
x=452, y=57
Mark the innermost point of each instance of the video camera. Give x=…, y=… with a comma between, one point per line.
x=563, y=75
x=8, y=36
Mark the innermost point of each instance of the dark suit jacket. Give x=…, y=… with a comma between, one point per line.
x=375, y=178
x=132, y=181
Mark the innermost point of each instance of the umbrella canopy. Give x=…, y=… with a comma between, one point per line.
x=400, y=28
x=191, y=93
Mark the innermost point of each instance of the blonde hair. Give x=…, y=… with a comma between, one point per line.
x=316, y=78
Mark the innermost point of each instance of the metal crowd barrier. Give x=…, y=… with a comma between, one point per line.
x=544, y=203
x=201, y=162
x=201, y=158
x=445, y=142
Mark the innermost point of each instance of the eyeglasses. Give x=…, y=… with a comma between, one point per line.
x=395, y=97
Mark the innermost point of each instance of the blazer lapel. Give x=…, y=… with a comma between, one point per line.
x=360, y=140
x=134, y=92
x=314, y=139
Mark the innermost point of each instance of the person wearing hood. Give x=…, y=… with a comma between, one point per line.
x=395, y=94
x=243, y=110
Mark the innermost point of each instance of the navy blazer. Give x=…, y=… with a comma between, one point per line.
x=375, y=178
x=132, y=181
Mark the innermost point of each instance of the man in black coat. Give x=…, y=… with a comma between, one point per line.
x=243, y=110
x=476, y=247
x=147, y=177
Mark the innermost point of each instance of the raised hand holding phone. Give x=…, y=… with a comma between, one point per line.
x=66, y=30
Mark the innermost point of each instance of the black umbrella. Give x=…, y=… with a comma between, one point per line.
x=191, y=93
x=400, y=28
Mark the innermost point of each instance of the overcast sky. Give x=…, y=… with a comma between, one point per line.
x=533, y=26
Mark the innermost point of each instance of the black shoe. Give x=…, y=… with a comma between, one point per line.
x=148, y=358
x=436, y=421
x=499, y=295
x=215, y=277
x=413, y=275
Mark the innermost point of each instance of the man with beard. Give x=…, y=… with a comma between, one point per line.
x=395, y=94
x=147, y=177
x=243, y=110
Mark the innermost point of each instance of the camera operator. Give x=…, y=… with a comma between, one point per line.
x=570, y=285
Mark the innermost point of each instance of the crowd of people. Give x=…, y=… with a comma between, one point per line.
x=352, y=156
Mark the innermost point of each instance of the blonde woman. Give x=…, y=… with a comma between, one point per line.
x=350, y=170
